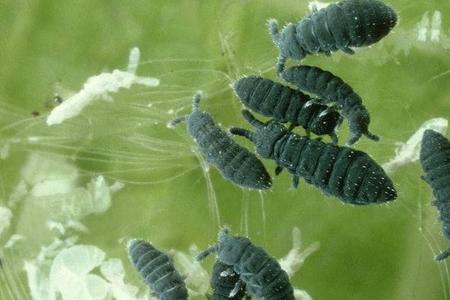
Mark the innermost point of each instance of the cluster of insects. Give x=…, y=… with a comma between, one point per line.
x=242, y=269
x=340, y=171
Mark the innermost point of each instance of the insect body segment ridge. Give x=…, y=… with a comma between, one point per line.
x=157, y=270
x=348, y=174
x=435, y=161
x=233, y=161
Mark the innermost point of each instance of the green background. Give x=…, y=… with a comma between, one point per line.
x=375, y=252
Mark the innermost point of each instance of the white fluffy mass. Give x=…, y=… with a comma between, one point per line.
x=410, y=150
x=5, y=219
x=70, y=273
x=98, y=87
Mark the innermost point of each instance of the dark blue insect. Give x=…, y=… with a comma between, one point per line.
x=435, y=160
x=349, y=23
x=234, y=162
x=284, y=104
x=224, y=281
x=261, y=273
x=333, y=89
x=348, y=174
x=157, y=271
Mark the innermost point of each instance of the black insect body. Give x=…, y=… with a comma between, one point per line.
x=435, y=160
x=261, y=273
x=333, y=89
x=348, y=23
x=158, y=271
x=234, y=162
x=224, y=281
x=348, y=174
x=284, y=104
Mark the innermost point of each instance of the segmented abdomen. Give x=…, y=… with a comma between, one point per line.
x=343, y=172
x=350, y=23
x=223, y=285
x=157, y=270
x=435, y=160
x=323, y=84
x=284, y=104
x=262, y=274
x=234, y=161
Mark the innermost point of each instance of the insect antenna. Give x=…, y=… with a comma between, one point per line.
x=243, y=132
x=443, y=255
x=196, y=100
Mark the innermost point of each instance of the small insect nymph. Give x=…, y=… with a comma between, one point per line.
x=350, y=175
x=334, y=90
x=340, y=26
x=261, y=272
x=157, y=270
x=234, y=162
x=287, y=105
x=435, y=160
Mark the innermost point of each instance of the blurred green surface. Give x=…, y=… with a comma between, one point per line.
x=376, y=252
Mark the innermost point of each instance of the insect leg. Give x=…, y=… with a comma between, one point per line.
x=278, y=170
x=334, y=137
x=443, y=255
x=281, y=64
x=348, y=50
x=295, y=181
x=292, y=126
x=372, y=136
x=353, y=140
x=312, y=101
x=227, y=272
x=236, y=288
x=251, y=119
x=177, y=120
x=308, y=133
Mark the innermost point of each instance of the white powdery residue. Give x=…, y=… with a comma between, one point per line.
x=116, y=186
x=113, y=271
x=410, y=151
x=133, y=60
x=295, y=258
x=19, y=193
x=13, y=239
x=197, y=278
x=99, y=87
x=70, y=273
x=101, y=196
x=292, y=262
x=5, y=219
x=317, y=5
x=423, y=27
x=56, y=226
x=37, y=270
x=49, y=175
x=436, y=26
